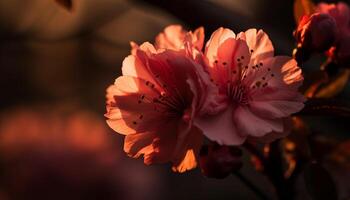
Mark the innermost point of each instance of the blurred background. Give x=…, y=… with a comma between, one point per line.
x=55, y=64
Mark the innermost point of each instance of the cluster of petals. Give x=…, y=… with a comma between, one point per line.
x=173, y=94
x=327, y=30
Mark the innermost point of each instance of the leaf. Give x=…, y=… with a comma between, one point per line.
x=319, y=182
x=67, y=4
x=335, y=86
x=303, y=7
x=333, y=107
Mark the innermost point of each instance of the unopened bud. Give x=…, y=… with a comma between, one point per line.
x=219, y=161
x=316, y=33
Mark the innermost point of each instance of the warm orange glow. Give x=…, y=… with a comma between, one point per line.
x=289, y=146
x=189, y=162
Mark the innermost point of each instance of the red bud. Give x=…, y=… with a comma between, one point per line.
x=316, y=33
x=218, y=161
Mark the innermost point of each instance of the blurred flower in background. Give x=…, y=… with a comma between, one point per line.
x=323, y=28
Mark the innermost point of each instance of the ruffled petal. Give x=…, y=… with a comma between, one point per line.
x=132, y=66
x=216, y=39
x=129, y=106
x=231, y=61
x=198, y=38
x=276, y=72
x=221, y=128
x=250, y=124
x=185, y=156
x=275, y=108
x=270, y=137
x=139, y=143
x=172, y=38
x=259, y=44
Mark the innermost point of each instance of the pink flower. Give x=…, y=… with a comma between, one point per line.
x=258, y=90
x=340, y=12
x=154, y=104
x=175, y=37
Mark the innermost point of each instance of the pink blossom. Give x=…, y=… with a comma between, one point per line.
x=340, y=12
x=317, y=32
x=154, y=104
x=175, y=37
x=258, y=90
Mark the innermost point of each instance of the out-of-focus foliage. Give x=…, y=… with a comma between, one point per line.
x=334, y=86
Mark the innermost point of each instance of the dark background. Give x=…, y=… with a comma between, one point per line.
x=53, y=58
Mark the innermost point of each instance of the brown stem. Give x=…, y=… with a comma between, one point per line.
x=273, y=169
x=275, y=172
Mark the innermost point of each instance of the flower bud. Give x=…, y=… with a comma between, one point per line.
x=316, y=33
x=219, y=161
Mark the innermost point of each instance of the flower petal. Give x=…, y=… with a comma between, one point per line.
x=275, y=108
x=172, y=38
x=186, y=151
x=198, y=38
x=270, y=137
x=250, y=124
x=139, y=143
x=220, y=128
x=259, y=42
x=231, y=59
x=216, y=39
x=132, y=66
x=129, y=106
x=277, y=72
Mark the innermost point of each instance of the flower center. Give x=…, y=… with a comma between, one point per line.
x=238, y=93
